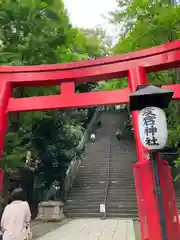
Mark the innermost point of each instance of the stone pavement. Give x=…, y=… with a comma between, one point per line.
x=40, y=228
x=93, y=229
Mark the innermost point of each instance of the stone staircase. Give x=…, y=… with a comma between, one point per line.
x=105, y=175
x=121, y=197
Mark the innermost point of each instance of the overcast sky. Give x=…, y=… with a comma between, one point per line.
x=88, y=13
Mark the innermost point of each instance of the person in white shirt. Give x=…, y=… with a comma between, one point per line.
x=118, y=134
x=15, y=221
x=93, y=137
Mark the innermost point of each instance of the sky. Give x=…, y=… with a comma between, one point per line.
x=88, y=13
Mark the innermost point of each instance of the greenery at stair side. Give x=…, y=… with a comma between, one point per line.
x=145, y=24
x=39, y=32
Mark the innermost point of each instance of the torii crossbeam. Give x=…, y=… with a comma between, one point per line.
x=135, y=66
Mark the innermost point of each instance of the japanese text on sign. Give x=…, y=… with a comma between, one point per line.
x=153, y=128
x=150, y=130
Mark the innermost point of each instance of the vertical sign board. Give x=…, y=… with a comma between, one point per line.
x=102, y=208
x=153, y=128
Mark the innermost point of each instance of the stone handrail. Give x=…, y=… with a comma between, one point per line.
x=75, y=163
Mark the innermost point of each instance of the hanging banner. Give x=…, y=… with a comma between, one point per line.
x=153, y=128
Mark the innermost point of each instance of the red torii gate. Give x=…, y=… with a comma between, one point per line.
x=135, y=66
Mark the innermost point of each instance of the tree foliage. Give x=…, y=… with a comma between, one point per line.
x=145, y=24
x=39, y=32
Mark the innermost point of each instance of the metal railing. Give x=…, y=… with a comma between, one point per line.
x=108, y=178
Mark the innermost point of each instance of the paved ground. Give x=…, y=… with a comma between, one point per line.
x=93, y=229
x=40, y=228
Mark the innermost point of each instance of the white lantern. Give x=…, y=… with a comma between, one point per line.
x=153, y=128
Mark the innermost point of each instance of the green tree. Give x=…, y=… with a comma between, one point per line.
x=39, y=32
x=145, y=24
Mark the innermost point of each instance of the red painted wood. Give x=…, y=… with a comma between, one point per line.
x=148, y=202
x=79, y=100
x=5, y=94
x=67, y=87
x=140, y=200
x=136, y=77
x=94, y=73
x=169, y=200
x=89, y=99
x=162, y=49
x=175, y=88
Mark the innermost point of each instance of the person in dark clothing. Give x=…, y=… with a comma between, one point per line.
x=99, y=124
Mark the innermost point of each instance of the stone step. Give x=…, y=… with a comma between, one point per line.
x=120, y=199
x=97, y=210
x=83, y=215
x=100, y=184
x=121, y=204
x=100, y=181
x=87, y=209
x=99, y=215
x=129, y=215
x=100, y=200
x=115, y=204
x=103, y=182
x=112, y=185
x=122, y=165
x=121, y=158
x=111, y=192
x=87, y=199
x=96, y=207
x=88, y=176
x=105, y=176
x=127, y=171
x=124, y=210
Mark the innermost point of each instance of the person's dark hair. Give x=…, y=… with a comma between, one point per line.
x=18, y=194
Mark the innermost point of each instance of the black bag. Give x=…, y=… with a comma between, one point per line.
x=1, y=235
